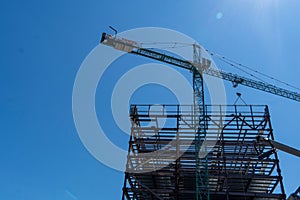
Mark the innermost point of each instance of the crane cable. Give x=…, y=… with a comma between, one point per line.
x=186, y=44
x=224, y=59
x=238, y=65
x=229, y=63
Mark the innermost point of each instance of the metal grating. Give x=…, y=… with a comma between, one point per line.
x=161, y=156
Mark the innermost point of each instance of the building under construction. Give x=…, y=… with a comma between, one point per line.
x=236, y=167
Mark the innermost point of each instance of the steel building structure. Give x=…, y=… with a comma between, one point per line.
x=162, y=154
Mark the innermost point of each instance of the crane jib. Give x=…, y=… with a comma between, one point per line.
x=133, y=48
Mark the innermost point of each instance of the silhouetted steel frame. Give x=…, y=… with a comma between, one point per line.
x=239, y=164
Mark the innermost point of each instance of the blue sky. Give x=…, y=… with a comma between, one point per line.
x=44, y=42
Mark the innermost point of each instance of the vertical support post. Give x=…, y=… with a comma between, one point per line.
x=202, y=179
x=177, y=162
x=267, y=113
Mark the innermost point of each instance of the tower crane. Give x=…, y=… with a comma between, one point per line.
x=198, y=67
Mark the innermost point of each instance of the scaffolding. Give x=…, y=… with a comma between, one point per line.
x=162, y=156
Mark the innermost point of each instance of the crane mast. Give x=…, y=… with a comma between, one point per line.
x=202, y=190
x=198, y=67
